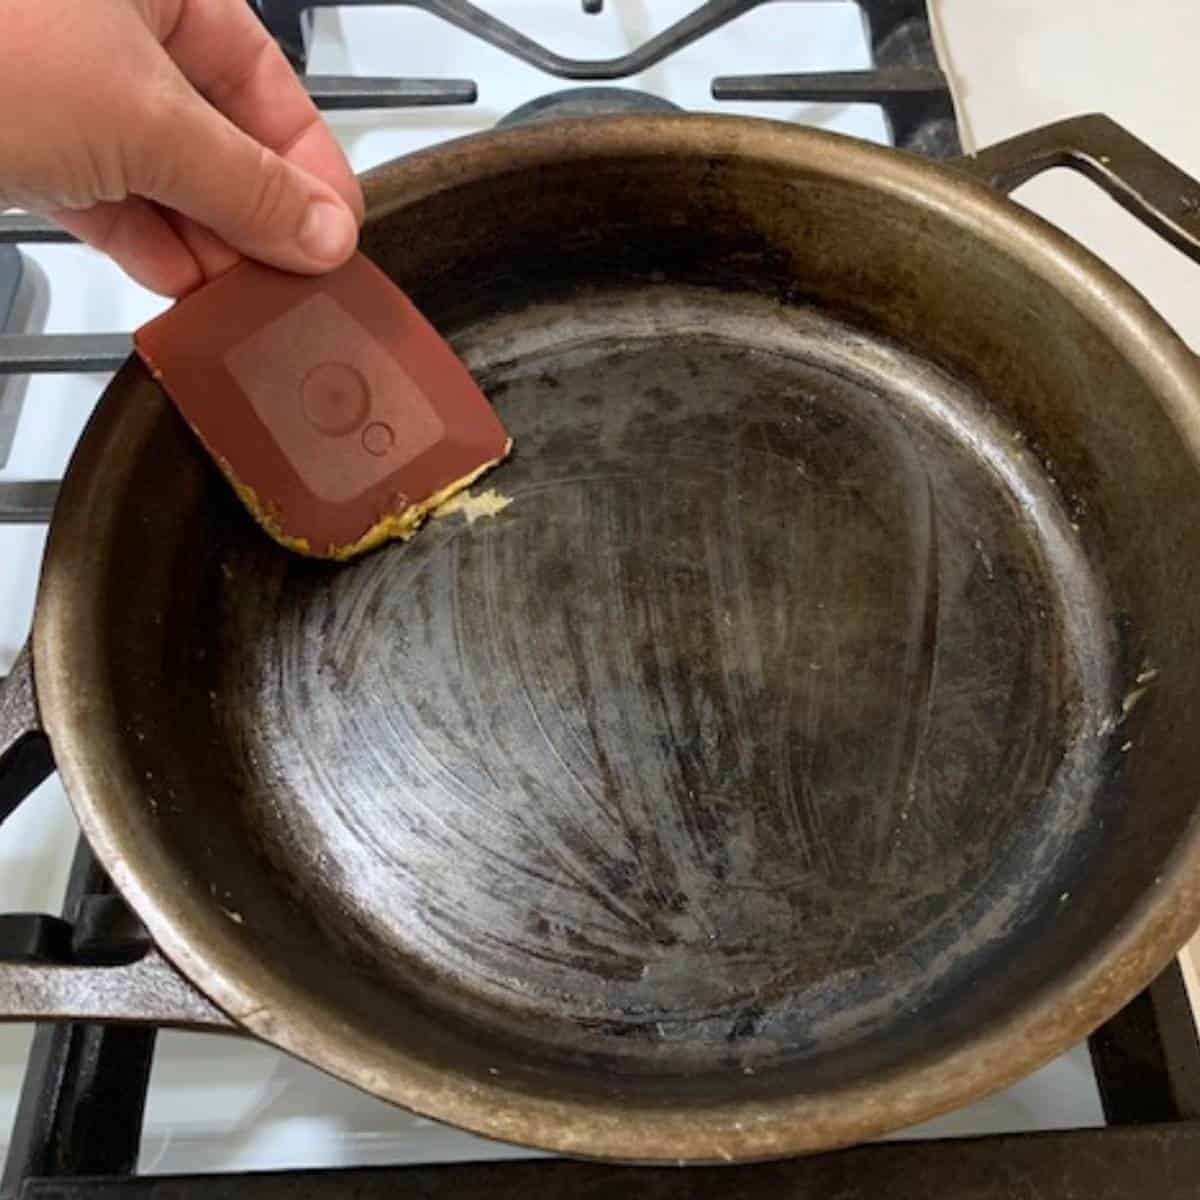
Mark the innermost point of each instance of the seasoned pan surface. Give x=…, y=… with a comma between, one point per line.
x=809, y=744
x=742, y=730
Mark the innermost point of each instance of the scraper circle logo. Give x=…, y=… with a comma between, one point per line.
x=335, y=398
x=339, y=407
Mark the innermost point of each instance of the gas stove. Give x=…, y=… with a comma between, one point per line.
x=101, y=1103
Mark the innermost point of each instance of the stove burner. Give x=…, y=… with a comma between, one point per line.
x=586, y=102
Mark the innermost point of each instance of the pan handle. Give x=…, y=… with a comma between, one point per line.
x=149, y=991
x=25, y=758
x=1137, y=177
x=99, y=966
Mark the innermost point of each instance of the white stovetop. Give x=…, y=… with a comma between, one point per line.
x=218, y=1103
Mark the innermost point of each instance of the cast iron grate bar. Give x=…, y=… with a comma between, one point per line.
x=915, y=99
x=286, y=20
x=329, y=92
x=26, y=228
x=1102, y=1164
x=364, y=91
x=27, y=502
x=49, y=353
x=901, y=37
x=854, y=87
x=1147, y=1058
x=385, y=91
x=83, y=1100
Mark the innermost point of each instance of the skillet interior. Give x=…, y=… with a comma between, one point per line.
x=772, y=742
x=744, y=730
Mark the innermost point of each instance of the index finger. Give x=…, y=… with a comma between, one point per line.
x=229, y=57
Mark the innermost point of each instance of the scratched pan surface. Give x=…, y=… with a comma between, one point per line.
x=757, y=678
x=782, y=764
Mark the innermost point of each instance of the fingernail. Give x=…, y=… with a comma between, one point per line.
x=327, y=231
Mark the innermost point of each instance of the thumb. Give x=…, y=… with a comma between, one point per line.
x=197, y=162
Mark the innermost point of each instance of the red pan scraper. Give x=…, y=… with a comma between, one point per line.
x=330, y=403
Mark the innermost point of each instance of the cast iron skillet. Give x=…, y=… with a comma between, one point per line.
x=813, y=743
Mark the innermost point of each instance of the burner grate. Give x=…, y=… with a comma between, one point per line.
x=12, y=273
x=907, y=83
x=1103, y=1164
x=79, y=1123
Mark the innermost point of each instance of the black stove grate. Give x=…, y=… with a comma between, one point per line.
x=12, y=272
x=1161, y=1161
x=79, y=1123
x=906, y=82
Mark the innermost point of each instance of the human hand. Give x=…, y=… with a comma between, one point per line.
x=171, y=134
